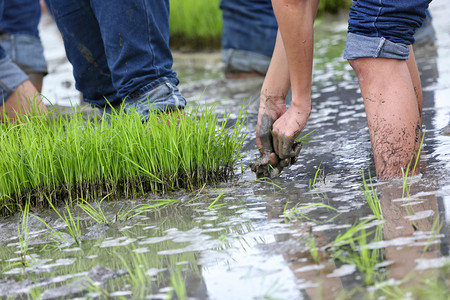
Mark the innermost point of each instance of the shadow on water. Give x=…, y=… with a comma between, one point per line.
x=286, y=238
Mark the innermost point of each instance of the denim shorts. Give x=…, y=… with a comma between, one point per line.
x=383, y=28
x=11, y=76
x=26, y=51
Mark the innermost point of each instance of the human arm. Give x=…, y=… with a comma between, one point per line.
x=295, y=21
x=272, y=105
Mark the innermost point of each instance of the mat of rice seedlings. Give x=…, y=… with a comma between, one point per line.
x=70, y=157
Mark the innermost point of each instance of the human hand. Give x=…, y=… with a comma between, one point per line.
x=270, y=109
x=285, y=131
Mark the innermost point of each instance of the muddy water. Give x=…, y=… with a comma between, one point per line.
x=252, y=244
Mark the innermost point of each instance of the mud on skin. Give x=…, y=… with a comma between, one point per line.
x=269, y=164
x=394, y=150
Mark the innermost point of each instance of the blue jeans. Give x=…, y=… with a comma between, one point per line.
x=11, y=76
x=20, y=16
x=249, y=33
x=383, y=28
x=26, y=51
x=119, y=50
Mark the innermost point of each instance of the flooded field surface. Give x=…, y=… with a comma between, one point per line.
x=323, y=229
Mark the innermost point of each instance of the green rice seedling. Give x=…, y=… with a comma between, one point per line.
x=124, y=214
x=413, y=286
x=367, y=260
x=304, y=138
x=137, y=265
x=435, y=229
x=136, y=275
x=348, y=237
x=63, y=157
x=58, y=237
x=370, y=193
x=178, y=282
x=213, y=204
x=313, y=249
x=72, y=224
x=24, y=238
x=23, y=234
x=34, y=293
x=96, y=214
x=270, y=289
x=406, y=173
x=293, y=213
x=391, y=291
x=320, y=174
x=270, y=182
x=96, y=291
x=362, y=257
x=285, y=209
x=157, y=205
x=434, y=287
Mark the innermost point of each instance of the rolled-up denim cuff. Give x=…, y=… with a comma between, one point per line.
x=236, y=60
x=11, y=76
x=163, y=97
x=358, y=46
x=26, y=51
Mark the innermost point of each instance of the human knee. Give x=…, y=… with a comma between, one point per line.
x=355, y=64
x=361, y=65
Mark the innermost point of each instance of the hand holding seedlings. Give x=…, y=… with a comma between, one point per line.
x=264, y=166
x=277, y=130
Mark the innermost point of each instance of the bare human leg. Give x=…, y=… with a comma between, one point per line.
x=414, y=72
x=24, y=100
x=295, y=20
x=392, y=111
x=36, y=79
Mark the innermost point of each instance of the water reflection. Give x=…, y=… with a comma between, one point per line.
x=411, y=230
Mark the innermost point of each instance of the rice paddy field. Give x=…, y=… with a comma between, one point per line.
x=326, y=228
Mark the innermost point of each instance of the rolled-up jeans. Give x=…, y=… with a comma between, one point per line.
x=26, y=51
x=249, y=34
x=11, y=76
x=119, y=50
x=383, y=28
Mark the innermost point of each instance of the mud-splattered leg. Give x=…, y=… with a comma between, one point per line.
x=392, y=113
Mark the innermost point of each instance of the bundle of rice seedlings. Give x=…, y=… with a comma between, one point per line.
x=60, y=157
